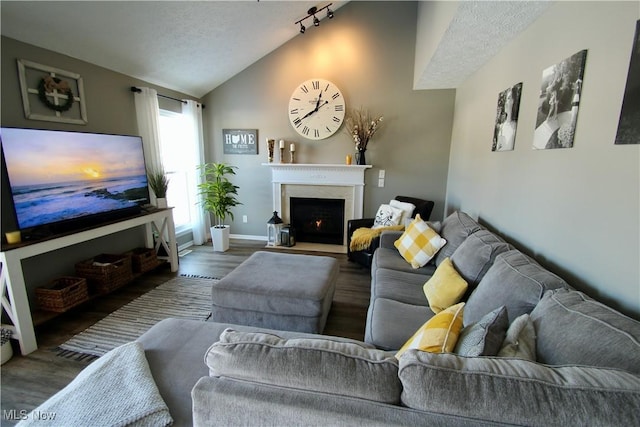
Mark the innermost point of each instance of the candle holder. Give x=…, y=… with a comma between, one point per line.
x=293, y=157
x=281, y=154
x=270, y=146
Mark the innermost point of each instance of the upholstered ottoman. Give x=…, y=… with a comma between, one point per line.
x=277, y=291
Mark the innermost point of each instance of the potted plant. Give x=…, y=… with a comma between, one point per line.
x=159, y=183
x=218, y=197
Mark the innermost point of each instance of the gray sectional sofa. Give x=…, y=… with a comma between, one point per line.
x=586, y=372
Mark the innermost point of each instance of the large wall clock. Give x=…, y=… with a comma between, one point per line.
x=316, y=109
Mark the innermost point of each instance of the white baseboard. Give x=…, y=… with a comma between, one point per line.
x=247, y=237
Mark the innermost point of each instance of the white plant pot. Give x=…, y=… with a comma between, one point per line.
x=161, y=202
x=6, y=351
x=220, y=238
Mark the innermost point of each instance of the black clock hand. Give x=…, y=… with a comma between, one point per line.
x=309, y=113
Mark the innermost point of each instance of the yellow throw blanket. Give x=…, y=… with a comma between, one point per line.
x=362, y=237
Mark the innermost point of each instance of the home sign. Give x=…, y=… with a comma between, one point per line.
x=240, y=141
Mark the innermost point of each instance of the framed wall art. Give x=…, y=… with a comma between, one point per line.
x=629, y=124
x=51, y=94
x=504, y=134
x=240, y=141
x=559, y=102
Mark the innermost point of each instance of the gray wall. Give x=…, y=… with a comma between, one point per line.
x=367, y=50
x=576, y=209
x=110, y=109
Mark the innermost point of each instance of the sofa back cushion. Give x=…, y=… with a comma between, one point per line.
x=516, y=391
x=476, y=254
x=574, y=329
x=455, y=229
x=515, y=281
x=322, y=365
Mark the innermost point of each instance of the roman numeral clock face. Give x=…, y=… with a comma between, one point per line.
x=316, y=109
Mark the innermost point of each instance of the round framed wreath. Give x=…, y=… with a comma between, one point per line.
x=47, y=85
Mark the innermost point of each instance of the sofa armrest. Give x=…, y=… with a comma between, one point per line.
x=354, y=224
x=388, y=237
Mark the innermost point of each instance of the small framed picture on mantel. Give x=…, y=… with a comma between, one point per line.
x=240, y=141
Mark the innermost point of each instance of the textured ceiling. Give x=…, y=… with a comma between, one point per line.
x=188, y=46
x=477, y=32
x=194, y=46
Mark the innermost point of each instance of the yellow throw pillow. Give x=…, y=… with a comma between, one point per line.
x=439, y=334
x=419, y=243
x=445, y=287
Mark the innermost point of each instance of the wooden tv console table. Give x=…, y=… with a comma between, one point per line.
x=15, y=301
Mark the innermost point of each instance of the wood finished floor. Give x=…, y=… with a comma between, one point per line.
x=27, y=381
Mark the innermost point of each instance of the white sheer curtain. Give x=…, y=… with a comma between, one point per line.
x=192, y=112
x=148, y=116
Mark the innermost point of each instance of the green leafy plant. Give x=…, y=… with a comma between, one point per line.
x=158, y=181
x=217, y=192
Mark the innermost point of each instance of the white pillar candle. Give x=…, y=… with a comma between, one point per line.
x=292, y=147
x=282, y=143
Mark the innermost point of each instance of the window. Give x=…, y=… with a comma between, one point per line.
x=176, y=152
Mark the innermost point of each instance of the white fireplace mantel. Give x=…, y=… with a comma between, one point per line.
x=318, y=180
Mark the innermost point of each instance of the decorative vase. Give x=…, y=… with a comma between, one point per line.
x=360, y=159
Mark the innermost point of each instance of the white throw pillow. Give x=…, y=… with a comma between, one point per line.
x=387, y=216
x=407, y=208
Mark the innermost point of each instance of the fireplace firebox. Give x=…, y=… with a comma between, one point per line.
x=318, y=220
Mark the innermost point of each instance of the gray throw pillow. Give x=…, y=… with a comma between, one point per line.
x=454, y=229
x=520, y=340
x=321, y=365
x=519, y=392
x=485, y=337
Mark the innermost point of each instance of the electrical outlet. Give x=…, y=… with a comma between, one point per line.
x=380, y=182
x=245, y=219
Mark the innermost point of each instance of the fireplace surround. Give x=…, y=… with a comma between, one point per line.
x=319, y=181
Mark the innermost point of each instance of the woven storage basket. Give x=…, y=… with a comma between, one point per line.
x=62, y=294
x=143, y=259
x=106, y=272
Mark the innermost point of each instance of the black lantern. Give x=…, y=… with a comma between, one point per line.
x=274, y=225
x=288, y=236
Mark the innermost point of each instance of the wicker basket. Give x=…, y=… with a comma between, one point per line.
x=62, y=294
x=106, y=272
x=143, y=260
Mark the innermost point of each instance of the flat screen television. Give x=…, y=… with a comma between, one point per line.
x=62, y=180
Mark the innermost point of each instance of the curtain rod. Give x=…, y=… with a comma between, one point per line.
x=138, y=90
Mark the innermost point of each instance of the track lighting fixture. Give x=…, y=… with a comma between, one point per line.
x=312, y=13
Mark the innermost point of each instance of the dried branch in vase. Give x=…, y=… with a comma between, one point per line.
x=361, y=125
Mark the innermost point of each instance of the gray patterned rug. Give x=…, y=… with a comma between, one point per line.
x=181, y=297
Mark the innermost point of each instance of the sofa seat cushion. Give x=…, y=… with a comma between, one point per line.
x=455, y=229
x=575, y=329
x=398, y=285
x=317, y=364
x=476, y=254
x=392, y=260
x=487, y=388
x=391, y=323
x=515, y=281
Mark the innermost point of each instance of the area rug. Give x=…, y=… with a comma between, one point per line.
x=181, y=297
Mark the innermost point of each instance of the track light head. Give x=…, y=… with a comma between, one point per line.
x=329, y=13
x=302, y=28
x=316, y=21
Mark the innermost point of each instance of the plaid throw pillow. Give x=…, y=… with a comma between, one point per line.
x=419, y=243
x=439, y=334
